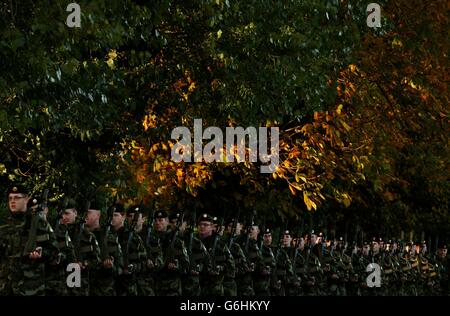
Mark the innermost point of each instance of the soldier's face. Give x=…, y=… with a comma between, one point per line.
x=205, y=229
x=254, y=231
x=313, y=239
x=376, y=247
x=173, y=223
x=301, y=243
x=17, y=202
x=93, y=218
x=183, y=226
x=139, y=222
x=442, y=252
x=287, y=240
x=366, y=249
x=267, y=239
x=239, y=228
x=69, y=216
x=229, y=228
x=117, y=220
x=161, y=224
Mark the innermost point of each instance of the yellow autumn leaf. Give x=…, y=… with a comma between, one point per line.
x=110, y=63
x=345, y=125
x=291, y=188
x=112, y=54
x=309, y=204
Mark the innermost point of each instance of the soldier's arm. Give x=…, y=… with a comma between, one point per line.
x=242, y=266
x=230, y=265
x=183, y=258
x=205, y=262
x=46, y=239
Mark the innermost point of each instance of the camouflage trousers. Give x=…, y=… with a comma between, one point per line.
x=191, y=285
x=168, y=286
x=212, y=286
x=229, y=287
x=27, y=279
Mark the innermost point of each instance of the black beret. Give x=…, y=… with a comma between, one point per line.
x=267, y=231
x=97, y=204
x=174, y=215
x=161, y=214
x=17, y=189
x=205, y=218
x=134, y=209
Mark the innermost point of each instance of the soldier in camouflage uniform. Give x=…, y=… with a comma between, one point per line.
x=145, y=286
x=222, y=263
x=199, y=260
x=284, y=276
x=154, y=256
x=23, y=269
x=133, y=250
x=175, y=258
x=111, y=266
x=262, y=275
x=87, y=250
x=56, y=275
x=241, y=250
x=442, y=270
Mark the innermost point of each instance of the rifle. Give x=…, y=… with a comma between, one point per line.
x=150, y=220
x=108, y=224
x=436, y=246
x=81, y=222
x=234, y=229
x=169, y=257
x=213, y=251
x=261, y=235
x=247, y=241
x=31, y=244
x=191, y=232
x=132, y=229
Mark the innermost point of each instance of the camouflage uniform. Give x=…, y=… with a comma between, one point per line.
x=87, y=252
x=103, y=279
x=222, y=263
x=134, y=260
x=242, y=284
x=198, y=261
x=25, y=276
x=168, y=282
x=56, y=274
x=283, y=273
x=262, y=273
x=154, y=254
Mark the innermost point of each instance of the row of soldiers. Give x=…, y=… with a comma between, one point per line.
x=172, y=255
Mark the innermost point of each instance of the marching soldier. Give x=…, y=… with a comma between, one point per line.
x=111, y=265
x=27, y=243
x=222, y=263
x=262, y=276
x=87, y=250
x=199, y=260
x=175, y=258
